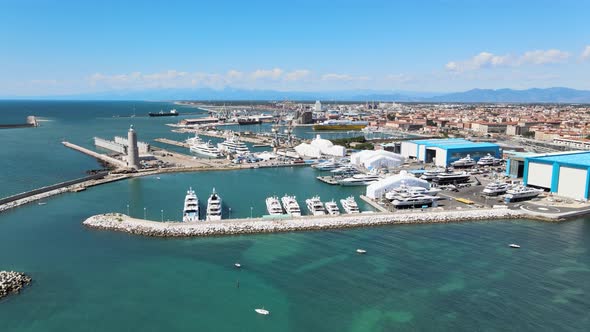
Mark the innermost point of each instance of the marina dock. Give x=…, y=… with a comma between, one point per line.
x=372, y=203
x=172, y=142
x=245, y=138
x=99, y=156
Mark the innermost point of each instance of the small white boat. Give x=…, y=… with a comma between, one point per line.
x=512, y=245
x=238, y=265
x=361, y=251
x=41, y=203
x=262, y=311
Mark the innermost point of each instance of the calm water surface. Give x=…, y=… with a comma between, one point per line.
x=452, y=277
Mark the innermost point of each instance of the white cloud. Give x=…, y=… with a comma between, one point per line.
x=297, y=75
x=586, y=53
x=273, y=74
x=539, y=57
x=336, y=77
x=490, y=60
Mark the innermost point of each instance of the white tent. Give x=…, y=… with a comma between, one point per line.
x=328, y=148
x=379, y=188
x=376, y=158
x=307, y=150
x=319, y=147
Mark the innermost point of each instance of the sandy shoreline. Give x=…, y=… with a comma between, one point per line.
x=122, y=223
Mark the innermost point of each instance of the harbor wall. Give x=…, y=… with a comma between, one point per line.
x=110, y=145
x=51, y=187
x=31, y=122
x=142, y=147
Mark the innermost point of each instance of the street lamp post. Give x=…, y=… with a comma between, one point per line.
x=229, y=213
x=251, y=208
x=128, y=210
x=145, y=213
x=162, y=214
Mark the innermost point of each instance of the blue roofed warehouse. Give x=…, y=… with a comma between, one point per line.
x=447, y=150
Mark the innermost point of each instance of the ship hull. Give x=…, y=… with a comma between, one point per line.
x=321, y=127
x=157, y=115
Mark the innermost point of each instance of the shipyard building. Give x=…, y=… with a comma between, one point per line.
x=566, y=174
x=443, y=152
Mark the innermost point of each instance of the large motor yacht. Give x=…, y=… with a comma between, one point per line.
x=191, y=207
x=206, y=149
x=349, y=205
x=214, y=207
x=521, y=192
x=359, y=180
x=466, y=161
x=489, y=160
x=315, y=206
x=273, y=206
x=495, y=188
x=234, y=146
x=332, y=208
x=451, y=178
x=291, y=206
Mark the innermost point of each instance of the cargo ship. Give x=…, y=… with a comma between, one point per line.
x=249, y=121
x=340, y=125
x=162, y=113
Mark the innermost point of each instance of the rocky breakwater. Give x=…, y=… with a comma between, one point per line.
x=123, y=223
x=12, y=282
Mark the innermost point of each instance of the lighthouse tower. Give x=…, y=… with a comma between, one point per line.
x=132, y=153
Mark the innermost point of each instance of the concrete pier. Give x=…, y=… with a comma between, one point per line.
x=99, y=156
x=172, y=142
x=123, y=223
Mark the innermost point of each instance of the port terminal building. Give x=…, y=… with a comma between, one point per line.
x=566, y=174
x=442, y=152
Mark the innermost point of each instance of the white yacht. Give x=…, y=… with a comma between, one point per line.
x=466, y=161
x=273, y=206
x=233, y=145
x=495, y=188
x=349, y=205
x=359, y=180
x=332, y=208
x=346, y=169
x=488, y=160
x=429, y=175
x=453, y=177
x=206, y=149
x=407, y=200
x=521, y=192
x=194, y=140
x=315, y=206
x=191, y=207
x=404, y=189
x=327, y=165
x=291, y=206
x=214, y=207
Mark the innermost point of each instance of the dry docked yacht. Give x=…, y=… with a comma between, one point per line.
x=495, y=188
x=332, y=208
x=273, y=206
x=214, y=207
x=521, y=192
x=233, y=145
x=429, y=175
x=454, y=177
x=359, y=180
x=191, y=207
x=466, y=161
x=315, y=206
x=349, y=205
x=488, y=160
x=409, y=200
x=404, y=189
x=291, y=206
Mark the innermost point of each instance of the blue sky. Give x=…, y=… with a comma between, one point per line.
x=69, y=47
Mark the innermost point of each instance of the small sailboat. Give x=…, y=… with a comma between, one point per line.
x=41, y=203
x=262, y=311
x=515, y=246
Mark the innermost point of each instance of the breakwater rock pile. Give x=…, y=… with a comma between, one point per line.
x=123, y=223
x=12, y=282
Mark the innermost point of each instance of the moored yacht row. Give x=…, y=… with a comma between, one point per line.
x=190, y=211
x=231, y=146
x=288, y=205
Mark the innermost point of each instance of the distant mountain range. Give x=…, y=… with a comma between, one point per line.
x=549, y=95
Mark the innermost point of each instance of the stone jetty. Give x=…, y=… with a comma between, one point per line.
x=123, y=223
x=12, y=282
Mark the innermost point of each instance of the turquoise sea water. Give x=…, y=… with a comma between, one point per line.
x=451, y=277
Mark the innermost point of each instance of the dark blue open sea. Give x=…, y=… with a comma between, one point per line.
x=448, y=277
